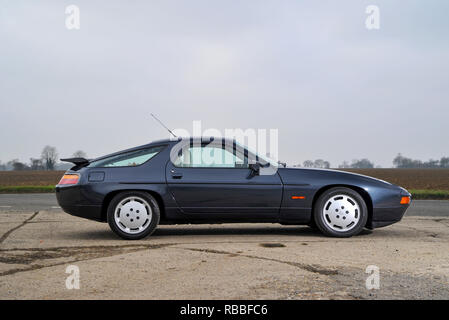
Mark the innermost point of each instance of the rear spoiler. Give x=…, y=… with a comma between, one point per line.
x=76, y=161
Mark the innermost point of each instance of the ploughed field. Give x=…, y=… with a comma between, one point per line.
x=29, y=178
x=29, y=181
x=423, y=183
x=422, y=179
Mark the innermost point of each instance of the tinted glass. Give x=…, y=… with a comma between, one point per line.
x=127, y=159
x=209, y=156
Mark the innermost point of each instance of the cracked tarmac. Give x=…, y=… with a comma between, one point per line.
x=228, y=261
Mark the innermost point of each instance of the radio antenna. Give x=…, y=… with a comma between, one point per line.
x=163, y=125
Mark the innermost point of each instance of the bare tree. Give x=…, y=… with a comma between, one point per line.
x=345, y=164
x=444, y=162
x=49, y=157
x=308, y=163
x=362, y=164
x=80, y=154
x=357, y=164
x=36, y=164
x=10, y=164
x=318, y=163
x=402, y=162
x=19, y=166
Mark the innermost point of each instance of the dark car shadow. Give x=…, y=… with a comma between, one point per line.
x=220, y=230
x=187, y=231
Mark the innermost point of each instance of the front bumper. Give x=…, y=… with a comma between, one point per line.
x=386, y=216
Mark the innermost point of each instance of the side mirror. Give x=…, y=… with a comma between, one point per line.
x=255, y=169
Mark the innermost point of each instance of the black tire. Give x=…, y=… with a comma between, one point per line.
x=326, y=199
x=149, y=229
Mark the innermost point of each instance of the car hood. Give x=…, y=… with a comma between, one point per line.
x=332, y=173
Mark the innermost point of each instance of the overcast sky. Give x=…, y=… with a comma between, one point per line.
x=311, y=69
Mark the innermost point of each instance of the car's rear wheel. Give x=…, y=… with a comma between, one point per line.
x=340, y=212
x=133, y=215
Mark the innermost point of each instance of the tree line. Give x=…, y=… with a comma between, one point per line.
x=47, y=161
x=398, y=162
x=404, y=162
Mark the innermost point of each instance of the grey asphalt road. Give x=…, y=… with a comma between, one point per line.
x=47, y=201
x=28, y=202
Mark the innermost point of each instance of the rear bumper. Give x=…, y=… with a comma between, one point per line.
x=87, y=212
x=72, y=201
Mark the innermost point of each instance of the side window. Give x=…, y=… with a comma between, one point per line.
x=127, y=159
x=210, y=156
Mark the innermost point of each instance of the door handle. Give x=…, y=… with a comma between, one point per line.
x=176, y=175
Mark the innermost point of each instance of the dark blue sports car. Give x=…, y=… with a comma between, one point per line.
x=216, y=180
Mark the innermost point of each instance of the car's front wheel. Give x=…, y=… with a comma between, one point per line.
x=340, y=212
x=133, y=215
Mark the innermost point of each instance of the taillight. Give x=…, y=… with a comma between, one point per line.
x=69, y=179
x=405, y=200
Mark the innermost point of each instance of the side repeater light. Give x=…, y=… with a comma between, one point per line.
x=69, y=179
x=298, y=197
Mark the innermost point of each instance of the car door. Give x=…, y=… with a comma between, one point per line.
x=213, y=179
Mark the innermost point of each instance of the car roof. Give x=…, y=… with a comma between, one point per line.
x=177, y=139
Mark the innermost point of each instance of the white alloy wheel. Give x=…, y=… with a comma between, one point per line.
x=133, y=215
x=341, y=212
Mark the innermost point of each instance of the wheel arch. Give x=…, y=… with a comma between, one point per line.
x=363, y=193
x=108, y=198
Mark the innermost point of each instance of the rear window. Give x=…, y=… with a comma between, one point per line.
x=127, y=159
